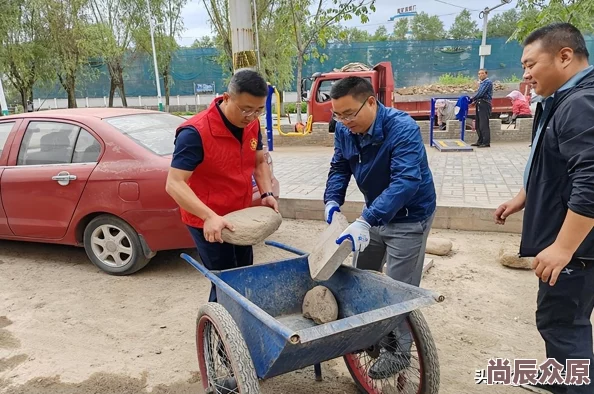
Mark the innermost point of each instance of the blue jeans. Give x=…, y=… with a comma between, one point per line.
x=401, y=247
x=220, y=256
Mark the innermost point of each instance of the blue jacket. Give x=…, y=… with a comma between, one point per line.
x=390, y=167
x=462, y=105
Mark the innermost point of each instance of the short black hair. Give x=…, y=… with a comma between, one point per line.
x=555, y=36
x=358, y=87
x=248, y=81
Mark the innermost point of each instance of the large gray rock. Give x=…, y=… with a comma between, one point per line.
x=511, y=259
x=438, y=246
x=320, y=305
x=252, y=225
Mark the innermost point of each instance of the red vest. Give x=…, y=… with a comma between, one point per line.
x=223, y=181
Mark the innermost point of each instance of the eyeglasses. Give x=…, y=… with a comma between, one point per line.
x=348, y=118
x=246, y=113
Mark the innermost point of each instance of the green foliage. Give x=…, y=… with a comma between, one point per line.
x=400, y=29
x=425, y=27
x=539, y=13
x=450, y=79
x=513, y=79
x=464, y=27
x=291, y=108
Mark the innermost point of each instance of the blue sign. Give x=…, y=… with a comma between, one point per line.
x=204, y=88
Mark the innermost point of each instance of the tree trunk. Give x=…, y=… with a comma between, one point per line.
x=112, y=89
x=299, y=74
x=24, y=97
x=166, y=83
x=123, y=94
x=71, y=90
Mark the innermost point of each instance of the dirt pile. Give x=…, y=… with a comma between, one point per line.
x=443, y=89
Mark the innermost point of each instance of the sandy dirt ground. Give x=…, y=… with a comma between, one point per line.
x=67, y=328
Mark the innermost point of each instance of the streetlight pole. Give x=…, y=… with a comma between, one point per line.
x=3, y=105
x=159, y=98
x=485, y=50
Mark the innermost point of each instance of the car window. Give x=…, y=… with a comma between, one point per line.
x=324, y=90
x=87, y=148
x=154, y=131
x=47, y=143
x=5, y=129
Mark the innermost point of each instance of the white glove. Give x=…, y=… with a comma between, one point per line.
x=331, y=207
x=358, y=234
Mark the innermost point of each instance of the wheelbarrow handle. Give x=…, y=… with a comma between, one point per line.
x=285, y=247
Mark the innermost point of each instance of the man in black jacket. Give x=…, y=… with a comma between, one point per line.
x=558, y=198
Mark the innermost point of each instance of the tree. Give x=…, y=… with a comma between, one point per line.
x=400, y=29
x=168, y=25
x=503, y=24
x=427, y=28
x=309, y=28
x=23, y=47
x=347, y=35
x=72, y=41
x=116, y=20
x=381, y=34
x=204, y=42
x=538, y=13
x=464, y=27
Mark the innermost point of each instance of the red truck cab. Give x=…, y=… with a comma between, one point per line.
x=319, y=106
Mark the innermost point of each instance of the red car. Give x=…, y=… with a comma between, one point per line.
x=93, y=177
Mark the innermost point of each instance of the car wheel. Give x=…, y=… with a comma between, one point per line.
x=114, y=246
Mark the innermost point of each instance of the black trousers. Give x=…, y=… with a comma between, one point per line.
x=483, y=114
x=220, y=256
x=563, y=319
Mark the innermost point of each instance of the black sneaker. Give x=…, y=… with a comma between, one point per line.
x=543, y=388
x=475, y=144
x=389, y=364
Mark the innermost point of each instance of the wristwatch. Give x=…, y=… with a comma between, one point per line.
x=267, y=194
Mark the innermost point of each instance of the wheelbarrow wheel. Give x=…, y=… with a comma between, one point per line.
x=413, y=372
x=225, y=363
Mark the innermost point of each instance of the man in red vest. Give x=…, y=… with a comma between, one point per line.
x=216, y=153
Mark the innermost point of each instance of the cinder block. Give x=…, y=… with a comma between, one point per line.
x=327, y=255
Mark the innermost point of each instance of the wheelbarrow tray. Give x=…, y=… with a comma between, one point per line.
x=265, y=301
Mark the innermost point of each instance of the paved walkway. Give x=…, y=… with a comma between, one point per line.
x=483, y=178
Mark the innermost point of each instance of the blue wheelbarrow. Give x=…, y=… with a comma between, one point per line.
x=256, y=330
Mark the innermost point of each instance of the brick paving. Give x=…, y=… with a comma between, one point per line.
x=483, y=178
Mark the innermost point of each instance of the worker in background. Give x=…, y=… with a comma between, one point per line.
x=383, y=149
x=558, y=198
x=445, y=110
x=483, y=104
x=520, y=106
x=216, y=153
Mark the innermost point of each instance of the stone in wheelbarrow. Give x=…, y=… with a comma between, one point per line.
x=320, y=305
x=252, y=225
x=327, y=255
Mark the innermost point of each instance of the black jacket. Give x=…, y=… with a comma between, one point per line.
x=562, y=172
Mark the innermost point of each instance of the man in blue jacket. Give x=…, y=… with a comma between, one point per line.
x=383, y=149
x=558, y=199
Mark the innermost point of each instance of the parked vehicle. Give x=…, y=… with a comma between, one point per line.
x=316, y=89
x=93, y=178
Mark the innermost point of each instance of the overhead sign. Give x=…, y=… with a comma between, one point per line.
x=403, y=12
x=411, y=8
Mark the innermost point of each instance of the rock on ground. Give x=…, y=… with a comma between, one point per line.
x=252, y=225
x=320, y=305
x=438, y=246
x=512, y=260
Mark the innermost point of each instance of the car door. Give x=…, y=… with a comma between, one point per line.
x=5, y=142
x=41, y=190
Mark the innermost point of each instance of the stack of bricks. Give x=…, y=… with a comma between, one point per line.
x=320, y=136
